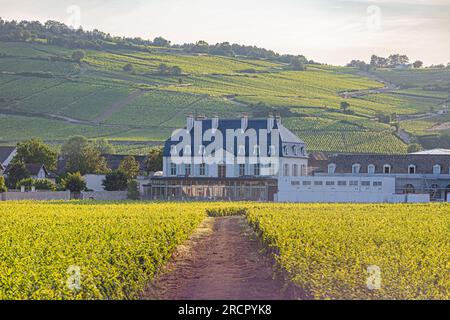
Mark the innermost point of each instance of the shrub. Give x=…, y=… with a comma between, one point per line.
x=74, y=182
x=3, y=185
x=39, y=184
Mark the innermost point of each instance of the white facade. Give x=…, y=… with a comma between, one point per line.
x=343, y=189
x=292, y=161
x=40, y=175
x=94, y=182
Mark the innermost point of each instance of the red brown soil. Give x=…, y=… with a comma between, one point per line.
x=223, y=261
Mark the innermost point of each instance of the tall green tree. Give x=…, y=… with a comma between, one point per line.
x=74, y=182
x=130, y=167
x=36, y=151
x=82, y=156
x=103, y=146
x=16, y=171
x=116, y=181
x=154, y=161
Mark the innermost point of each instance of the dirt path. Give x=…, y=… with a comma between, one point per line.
x=222, y=261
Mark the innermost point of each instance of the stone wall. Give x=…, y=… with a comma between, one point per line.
x=37, y=196
x=104, y=195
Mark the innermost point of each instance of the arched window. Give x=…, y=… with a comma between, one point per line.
x=331, y=168
x=412, y=169
x=356, y=168
x=386, y=169
x=437, y=169
x=371, y=169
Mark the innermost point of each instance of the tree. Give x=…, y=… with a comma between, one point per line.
x=130, y=167
x=36, y=151
x=128, y=67
x=344, y=106
x=154, y=161
x=161, y=42
x=163, y=69
x=78, y=55
x=103, y=146
x=115, y=181
x=414, y=147
x=82, y=156
x=418, y=64
x=74, y=182
x=297, y=65
x=16, y=172
x=3, y=187
x=384, y=118
x=176, y=71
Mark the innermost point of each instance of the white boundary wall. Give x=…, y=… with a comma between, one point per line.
x=104, y=195
x=37, y=196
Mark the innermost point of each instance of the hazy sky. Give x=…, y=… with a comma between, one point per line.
x=330, y=31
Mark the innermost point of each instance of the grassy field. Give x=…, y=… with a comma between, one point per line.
x=308, y=100
x=101, y=250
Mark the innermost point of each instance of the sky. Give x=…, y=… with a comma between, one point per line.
x=327, y=31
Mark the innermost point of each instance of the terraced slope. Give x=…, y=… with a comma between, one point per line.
x=41, y=87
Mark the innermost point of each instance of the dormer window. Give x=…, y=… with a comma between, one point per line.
x=386, y=169
x=371, y=169
x=356, y=168
x=437, y=169
x=285, y=150
x=331, y=168
x=412, y=169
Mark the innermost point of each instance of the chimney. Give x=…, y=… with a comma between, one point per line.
x=278, y=119
x=244, y=122
x=270, y=122
x=215, y=122
x=190, y=122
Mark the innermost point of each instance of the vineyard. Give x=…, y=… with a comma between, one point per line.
x=329, y=250
x=41, y=86
x=112, y=250
x=117, y=248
